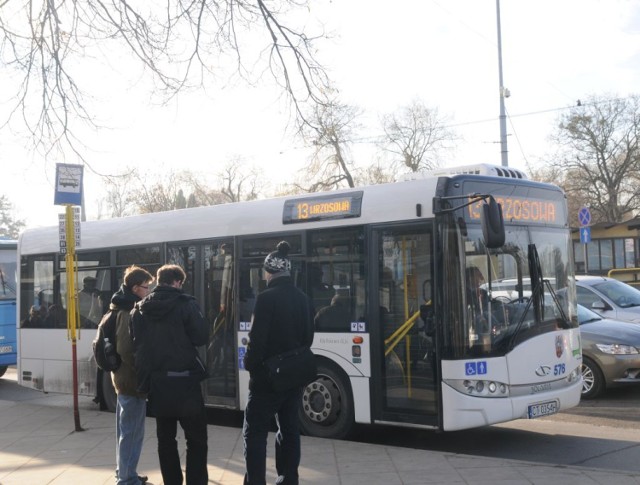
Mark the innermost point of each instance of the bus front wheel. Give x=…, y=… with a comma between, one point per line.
x=326, y=409
x=109, y=398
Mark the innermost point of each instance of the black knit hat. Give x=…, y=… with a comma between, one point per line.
x=277, y=261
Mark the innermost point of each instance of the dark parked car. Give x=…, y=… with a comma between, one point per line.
x=610, y=352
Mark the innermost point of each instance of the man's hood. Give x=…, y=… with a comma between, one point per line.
x=161, y=301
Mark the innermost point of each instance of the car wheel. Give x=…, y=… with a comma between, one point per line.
x=326, y=409
x=592, y=379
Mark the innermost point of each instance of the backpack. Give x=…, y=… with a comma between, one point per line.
x=104, y=345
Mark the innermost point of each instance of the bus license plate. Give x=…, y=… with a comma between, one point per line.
x=542, y=409
x=5, y=349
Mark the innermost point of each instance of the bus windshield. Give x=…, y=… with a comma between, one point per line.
x=8, y=275
x=499, y=298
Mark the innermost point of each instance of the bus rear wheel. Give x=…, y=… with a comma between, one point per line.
x=326, y=409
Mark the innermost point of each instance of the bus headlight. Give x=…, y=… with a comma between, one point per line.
x=479, y=387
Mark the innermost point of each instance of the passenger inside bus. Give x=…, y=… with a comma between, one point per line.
x=320, y=292
x=89, y=303
x=335, y=317
x=35, y=318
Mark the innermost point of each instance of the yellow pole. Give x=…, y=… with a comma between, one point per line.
x=406, y=313
x=72, y=312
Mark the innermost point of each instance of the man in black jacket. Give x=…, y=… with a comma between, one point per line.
x=167, y=326
x=282, y=321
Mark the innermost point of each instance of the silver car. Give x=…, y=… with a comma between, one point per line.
x=610, y=353
x=609, y=298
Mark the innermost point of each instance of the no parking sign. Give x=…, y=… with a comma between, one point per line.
x=584, y=216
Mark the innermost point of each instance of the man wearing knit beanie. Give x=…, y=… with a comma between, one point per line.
x=282, y=321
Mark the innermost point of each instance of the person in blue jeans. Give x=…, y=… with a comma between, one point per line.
x=282, y=321
x=131, y=408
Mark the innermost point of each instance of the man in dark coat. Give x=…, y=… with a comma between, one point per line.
x=167, y=326
x=282, y=321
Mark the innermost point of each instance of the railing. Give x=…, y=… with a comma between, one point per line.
x=630, y=276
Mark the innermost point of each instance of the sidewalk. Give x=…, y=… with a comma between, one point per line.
x=38, y=446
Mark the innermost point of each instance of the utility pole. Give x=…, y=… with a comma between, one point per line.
x=503, y=93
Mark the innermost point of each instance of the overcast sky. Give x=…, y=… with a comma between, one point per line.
x=383, y=55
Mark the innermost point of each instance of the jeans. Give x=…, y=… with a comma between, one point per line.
x=195, y=433
x=130, y=415
x=261, y=407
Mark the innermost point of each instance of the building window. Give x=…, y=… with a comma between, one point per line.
x=606, y=255
x=593, y=256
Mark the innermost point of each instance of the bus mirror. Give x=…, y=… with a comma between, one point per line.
x=492, y=224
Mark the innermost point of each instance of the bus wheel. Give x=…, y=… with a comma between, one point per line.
x=327, y=405
x=592, y=379
x=109, y=398
x=3, y=369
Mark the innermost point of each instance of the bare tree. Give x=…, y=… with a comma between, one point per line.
x=239, y=182
x=10, y=227
x=556, y=175
x=180, y=44
x=415, y=136
x=201, y=193
x=120, y=199
x=376, y=173
x=160, y=196
x=599, y=144
x=330, y=129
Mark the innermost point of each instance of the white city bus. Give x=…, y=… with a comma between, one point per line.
x=399, y=339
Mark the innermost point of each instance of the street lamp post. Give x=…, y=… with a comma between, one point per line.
x=503, y=93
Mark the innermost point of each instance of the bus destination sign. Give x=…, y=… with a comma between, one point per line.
x=523, y=209
x=321, y=208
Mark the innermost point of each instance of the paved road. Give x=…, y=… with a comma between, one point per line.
x=600, y=434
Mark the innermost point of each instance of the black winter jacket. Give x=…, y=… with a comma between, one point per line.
x=166, y=327
x=282, y=320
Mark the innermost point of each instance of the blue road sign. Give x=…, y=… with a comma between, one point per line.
x=584, y=216
x=585, y=235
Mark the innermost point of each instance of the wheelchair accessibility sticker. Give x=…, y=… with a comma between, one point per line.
x=241, y=352
x=475, y=368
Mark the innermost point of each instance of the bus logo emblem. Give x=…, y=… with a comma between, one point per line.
x=559, y=346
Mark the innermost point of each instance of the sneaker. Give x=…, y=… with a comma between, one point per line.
x=143, y=478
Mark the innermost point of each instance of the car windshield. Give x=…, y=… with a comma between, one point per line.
x=621, y=294
x=587, y=316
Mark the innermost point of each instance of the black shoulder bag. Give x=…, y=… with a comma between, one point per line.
x=291, y=369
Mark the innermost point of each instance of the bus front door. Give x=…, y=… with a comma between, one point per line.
x=406, y=380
